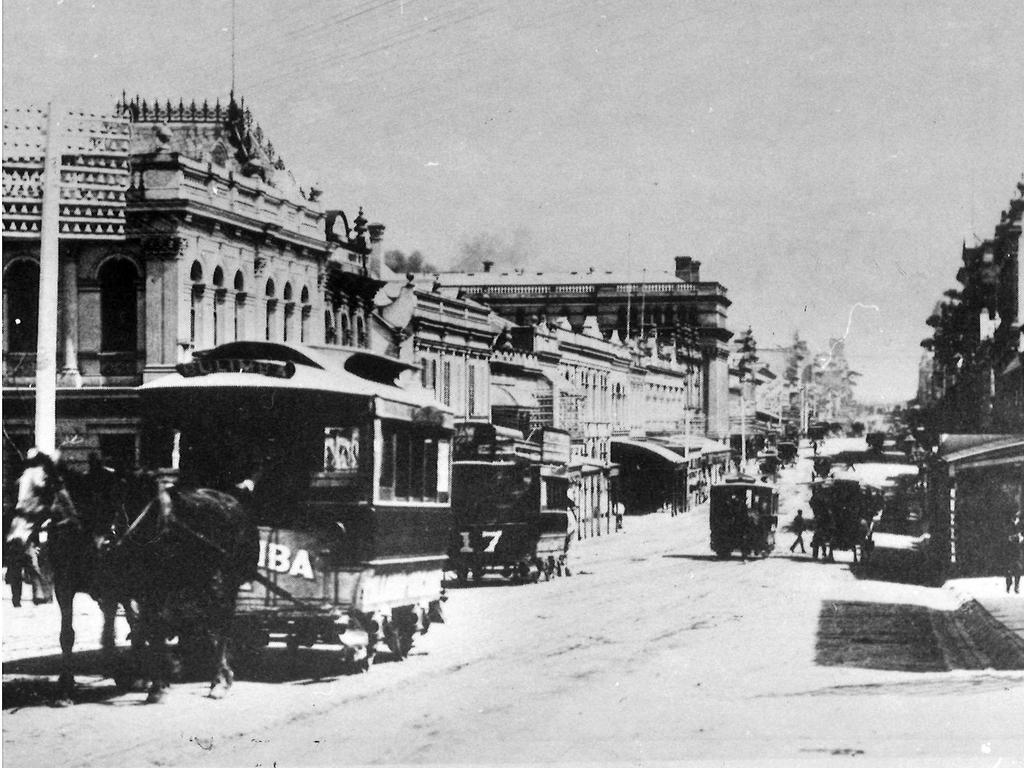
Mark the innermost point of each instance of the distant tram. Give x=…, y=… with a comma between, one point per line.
x=347, y=473
x=744, y=517
x=513, y=511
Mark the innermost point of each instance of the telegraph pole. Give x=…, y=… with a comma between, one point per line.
x=49, y=268
x=743, y=428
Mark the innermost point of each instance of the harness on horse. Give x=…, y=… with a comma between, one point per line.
x=169, y=519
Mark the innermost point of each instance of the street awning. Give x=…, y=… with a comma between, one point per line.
x=709, y=447
x=681, y=442
x=645, y=451
x=512, y=397
x=967, y=451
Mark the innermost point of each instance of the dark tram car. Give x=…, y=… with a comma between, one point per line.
x=744, y=517
x=348, y=477
x=512, y=517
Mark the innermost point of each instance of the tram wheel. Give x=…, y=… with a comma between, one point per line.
x=522, y=573
x=399, y=641
x=359, y=666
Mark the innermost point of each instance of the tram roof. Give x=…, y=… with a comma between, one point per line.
x=743, y=481
x=264, y=365
x=879, y=475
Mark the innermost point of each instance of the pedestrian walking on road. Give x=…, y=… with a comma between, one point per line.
x=1013, y=556
x=798, y=527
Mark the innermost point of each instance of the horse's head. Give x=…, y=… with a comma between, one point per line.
x=42, y=496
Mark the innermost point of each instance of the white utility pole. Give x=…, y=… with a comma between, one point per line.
x=49, y=270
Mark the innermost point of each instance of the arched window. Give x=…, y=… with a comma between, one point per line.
x=21, y=300
x=271, y=310
x=218, y=300
x=239, y=319
x=305, y=311
x=360, y=330
x=196, y=312
x=118, y=306
x=346, y=329
x=289, y=311
x=330, y=332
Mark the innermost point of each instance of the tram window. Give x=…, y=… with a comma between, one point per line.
x=414, y=465
x=403, y=465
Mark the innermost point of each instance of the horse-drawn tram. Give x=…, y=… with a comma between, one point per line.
x=346, y=472
x=744, y=516
x=521, y=526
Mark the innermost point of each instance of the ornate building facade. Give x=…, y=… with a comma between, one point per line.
x=975, y=380
x=179, y=229
x=674, y=314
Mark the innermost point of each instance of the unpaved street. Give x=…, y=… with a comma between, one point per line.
x=653, y=650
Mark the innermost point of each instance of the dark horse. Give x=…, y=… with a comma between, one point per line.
x=72, y=536
x=186, y=553
x=180, y=555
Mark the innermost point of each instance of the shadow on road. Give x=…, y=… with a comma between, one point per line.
x=897, y=566
x=32, y=682
x=712, y=558
x=485, y=582
x=700, y=558
x=879, y=636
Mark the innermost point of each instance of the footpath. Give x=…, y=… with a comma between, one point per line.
x=993, y=620
x=987, y=628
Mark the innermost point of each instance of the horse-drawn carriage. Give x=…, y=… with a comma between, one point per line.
x=843, y=512
x=821, y=467
x=348, y=476
x=787, y=452
x=744, y=516
x=769, y=464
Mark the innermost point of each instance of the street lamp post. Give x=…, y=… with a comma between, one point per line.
x=686, y=433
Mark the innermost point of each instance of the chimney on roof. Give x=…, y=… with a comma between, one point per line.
x=376, y=246
x=688, y=269
x=488, y=265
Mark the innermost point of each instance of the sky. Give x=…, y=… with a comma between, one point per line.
x=824, y=160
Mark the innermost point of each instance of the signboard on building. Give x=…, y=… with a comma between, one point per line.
x=556, y=446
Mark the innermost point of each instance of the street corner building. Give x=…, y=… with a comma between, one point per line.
x=150, y=233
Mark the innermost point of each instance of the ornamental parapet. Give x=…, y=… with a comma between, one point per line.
x=248, y=201
x=93, y=173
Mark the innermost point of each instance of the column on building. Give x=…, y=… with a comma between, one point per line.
x=70, y=374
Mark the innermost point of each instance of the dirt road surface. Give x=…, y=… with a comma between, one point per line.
x=652, y=651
